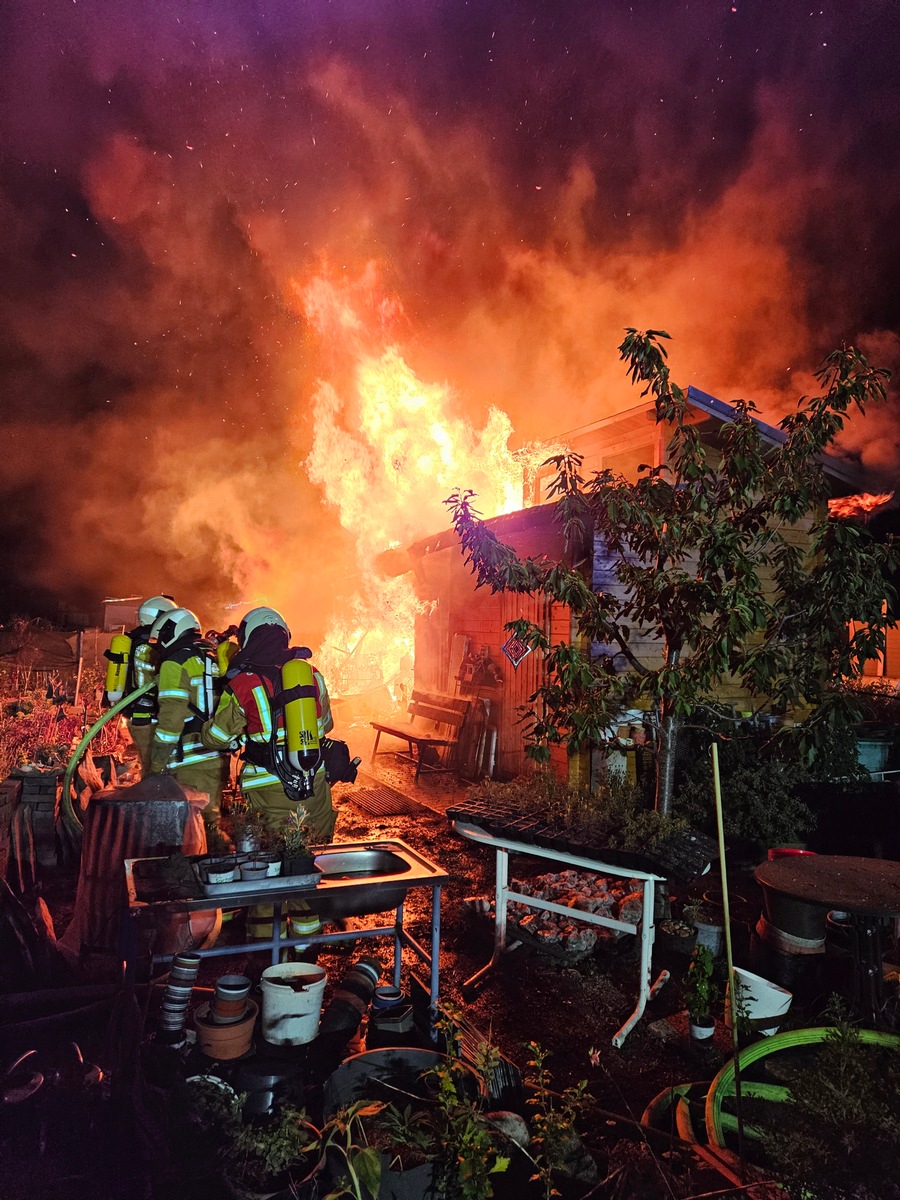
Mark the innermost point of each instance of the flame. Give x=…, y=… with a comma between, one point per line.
x=860, y=505
x=388, y=448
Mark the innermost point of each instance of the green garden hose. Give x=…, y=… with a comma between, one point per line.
x=719, y=1122
x=70, y=817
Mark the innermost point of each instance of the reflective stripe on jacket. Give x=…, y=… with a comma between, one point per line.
x=185, y=700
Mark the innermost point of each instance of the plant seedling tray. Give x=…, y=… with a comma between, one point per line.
x=271, y=883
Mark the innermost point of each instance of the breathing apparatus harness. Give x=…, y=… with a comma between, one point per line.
x=293, y=711
x=144, y=708
x=204, y=685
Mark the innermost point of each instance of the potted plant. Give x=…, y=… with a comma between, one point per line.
x=675, y=938
x=439, y=1143
x=247, y=828
x=293, y=842
x=710, y=931
x=282, y=1153
x=204, y=1118
x=700, y=993
x=217, y=844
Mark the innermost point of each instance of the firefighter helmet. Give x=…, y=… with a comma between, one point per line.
x=258, y=617
x=170, y=626
x=155, y=607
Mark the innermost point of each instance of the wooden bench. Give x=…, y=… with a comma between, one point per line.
x=434, y=724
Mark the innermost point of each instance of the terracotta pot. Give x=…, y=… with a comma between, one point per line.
x=225, y=1042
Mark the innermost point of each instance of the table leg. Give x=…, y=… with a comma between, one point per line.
x=276, y=933
x=398, y=946
x=869, y=981
x=501, y=897
x=435, y=964
x=645, y=991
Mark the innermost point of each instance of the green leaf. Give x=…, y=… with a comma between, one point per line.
x=366, y=1165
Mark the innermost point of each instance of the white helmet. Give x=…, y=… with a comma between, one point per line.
x=170, y=626
x=258, y=617
x=153, y=608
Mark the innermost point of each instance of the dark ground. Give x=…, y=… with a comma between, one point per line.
x=572, y=1009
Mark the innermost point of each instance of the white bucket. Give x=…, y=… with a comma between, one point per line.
x=291, y=1010
x=764, y=1002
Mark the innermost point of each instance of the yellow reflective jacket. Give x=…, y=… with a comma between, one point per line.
x=185, y=701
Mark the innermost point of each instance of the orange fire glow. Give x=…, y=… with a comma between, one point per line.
x=858, y=506
x=388, y=448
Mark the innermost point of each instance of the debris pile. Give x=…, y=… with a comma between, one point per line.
x=619, y=899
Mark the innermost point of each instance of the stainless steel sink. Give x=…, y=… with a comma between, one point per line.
x=360, y=878
x=364, y=863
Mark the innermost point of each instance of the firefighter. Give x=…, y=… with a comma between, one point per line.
x=141, y=714
x=245, y=716
x=185, y=700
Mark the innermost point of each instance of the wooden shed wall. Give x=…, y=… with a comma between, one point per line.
x=462, y=613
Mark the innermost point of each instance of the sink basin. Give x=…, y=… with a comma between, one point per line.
x=361, y=878
x=361, y=864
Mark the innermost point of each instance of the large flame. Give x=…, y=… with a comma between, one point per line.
x=388, y=448
x=860, y=505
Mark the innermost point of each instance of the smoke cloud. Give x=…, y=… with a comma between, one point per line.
x=503, y=188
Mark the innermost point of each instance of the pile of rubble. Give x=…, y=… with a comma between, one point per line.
x=620, y=899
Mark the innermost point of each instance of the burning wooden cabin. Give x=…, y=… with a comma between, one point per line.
x=461, y=644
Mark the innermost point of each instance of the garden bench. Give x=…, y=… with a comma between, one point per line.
x=433, y=728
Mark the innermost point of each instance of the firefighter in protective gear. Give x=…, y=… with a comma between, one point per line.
x=245, y=715
x=185, y=700
x=140, y=668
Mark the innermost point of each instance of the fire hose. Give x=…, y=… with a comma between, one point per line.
x=71, y=820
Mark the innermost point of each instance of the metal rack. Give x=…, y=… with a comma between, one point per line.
x=503, y=847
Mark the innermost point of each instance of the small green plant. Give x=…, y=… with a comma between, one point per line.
x=696, y=912
x=617, y=815
x=293, y=837
x=216, y=841
x=213, y=1106
x=701, y=990
x=245, y=825
x=471, y=1154
x=553, y=1118
x=262, y=1152
x=345, y=1135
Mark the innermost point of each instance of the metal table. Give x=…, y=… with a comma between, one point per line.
x=504, y=847
x=866, y=888
x=145, y=903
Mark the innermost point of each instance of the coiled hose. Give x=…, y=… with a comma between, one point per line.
x=71, y=821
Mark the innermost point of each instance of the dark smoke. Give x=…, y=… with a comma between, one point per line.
x=529, y=177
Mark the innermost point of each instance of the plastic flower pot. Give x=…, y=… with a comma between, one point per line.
x=225, y=1042
x=229, y=1003
x=221, y=873
x=273, y=863
x=701, y=1028
x=254, y=869
x=765, y=1004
